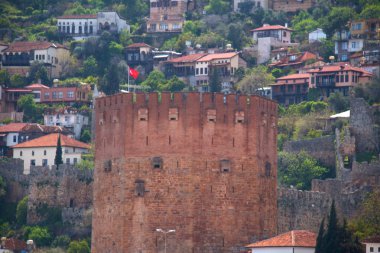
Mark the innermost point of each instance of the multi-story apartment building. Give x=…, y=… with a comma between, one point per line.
x=70, y=118
x=167, y=15
x=45, y=94
x=291, y=89
x=196, y=69
x=87, y=25
x=268, y=38
x=18, y=57
x=140, y=54
x=338, y=78
x=341, y=45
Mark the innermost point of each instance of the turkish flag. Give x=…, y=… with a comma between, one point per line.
x=133, y=73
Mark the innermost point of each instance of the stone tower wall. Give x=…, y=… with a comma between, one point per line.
x=202, y=164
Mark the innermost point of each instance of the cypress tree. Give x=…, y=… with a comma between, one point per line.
x=319, y=248
x=58, y=153
x=331, y=240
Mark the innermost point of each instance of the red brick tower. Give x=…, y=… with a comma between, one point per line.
x=202, y=164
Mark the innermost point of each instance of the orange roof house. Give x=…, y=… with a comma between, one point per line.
x=286, y=242
x=42, y=151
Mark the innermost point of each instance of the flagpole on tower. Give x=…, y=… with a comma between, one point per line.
x=128, y=79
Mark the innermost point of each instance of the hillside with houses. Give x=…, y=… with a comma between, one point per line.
x=319, y=60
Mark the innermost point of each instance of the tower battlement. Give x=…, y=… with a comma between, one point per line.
x=201, y=163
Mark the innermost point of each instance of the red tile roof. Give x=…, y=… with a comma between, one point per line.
x=211, y=57
x=12, y=127
x=187, y=58
x=37, y=86
x=137, y=45
x=26, y=46
x=372, y=239
x=271, y=27
x=51, y=141
x=83, y=16
x=294, y=76
x=308, y=56
x=294, y=238
x=15, y=244
x=335, y=68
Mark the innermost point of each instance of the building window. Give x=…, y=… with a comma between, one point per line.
x=44, y=162
x=32, y=162
x=284, y=34
x=139, y=188
x=343, y=57
x=346, y=78
x=75, y=160
x=197, y=71
x=14, y=138
x=164, y=26
x=157, y=163
x=20, y=153
x=67, y=160
x=206, y=70
x=353, y=44
x=60, y=94
x=344, y=45
x=70, y=94
x=32, y=153
x=66, y=118
x=370, y=249
x=46, y=95
x=44, y=152
x=225, y=165
x=54, y=95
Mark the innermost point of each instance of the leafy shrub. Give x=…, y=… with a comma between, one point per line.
x=61, y=241
x=40, y=235
x=78, y=247
x=22, y=211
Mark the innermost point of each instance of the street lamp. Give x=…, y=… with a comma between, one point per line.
x=165, y=233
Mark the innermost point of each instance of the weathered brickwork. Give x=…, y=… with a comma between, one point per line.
x=202, y=164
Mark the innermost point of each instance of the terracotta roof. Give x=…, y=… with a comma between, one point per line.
x=26, y=46
x=51, y=141
x=211, y=57
x=271, y=27
x=187, y=58
x=294, y=238
x=372, y=239
x=294, y=76
x=45, y=129
x=15, y=244
x=308, y=56
x=83, y=16
x=335, y=68
x=37, y=86
x=137, y=45
x=12, y=127
x=356, y=55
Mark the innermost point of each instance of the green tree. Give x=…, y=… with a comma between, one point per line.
x=5, y=79
x=298, y=169
x=40, y=235
x=32, y=111
x=22, y=211
x=174, y=84
x=331, y=239
x=217, y=7
x=125, y=37
x=255, y=79
x=61, y=241
x=338, y=102
x=3, y=187
x=90, y=66
x=319, y=248
x=154, y=80
x=17, y=81
x=370, y=11
x=58, y=153
x=215, y=83
x=85, y=136
x=78, y=247
x=367, y=222
x=337, y=19
x=38, y=72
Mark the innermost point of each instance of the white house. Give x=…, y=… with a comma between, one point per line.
x=87, y=25
x=372, y=244
x=295, y=241
x=69, y=118
x=41, y=151
x=316, y=35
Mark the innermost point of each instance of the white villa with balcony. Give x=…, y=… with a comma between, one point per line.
x=88, y=25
